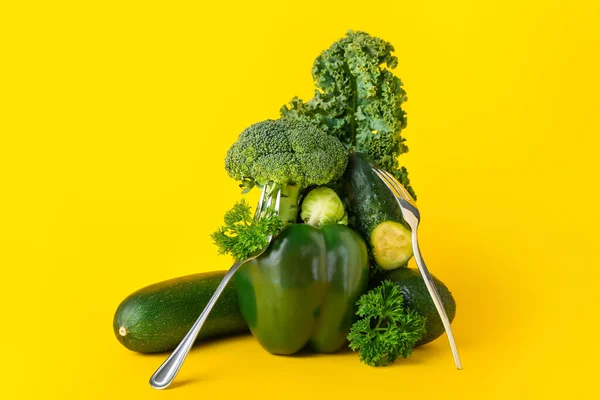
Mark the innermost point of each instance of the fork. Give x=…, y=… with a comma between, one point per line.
x=165, y=374
x=412, y=217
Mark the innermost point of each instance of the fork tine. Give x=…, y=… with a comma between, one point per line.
x=404, y=199
x=392, y=179
x=278, y=201
x=276, y=208
x=261, y=202
x=397, y=187
x=386, y=180
x=407, y=195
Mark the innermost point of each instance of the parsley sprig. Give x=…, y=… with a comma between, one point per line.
x=241, y=235
x=387, y=329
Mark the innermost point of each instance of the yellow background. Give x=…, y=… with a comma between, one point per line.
x=114, y=122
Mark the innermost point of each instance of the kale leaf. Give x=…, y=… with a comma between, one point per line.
x=359, y=100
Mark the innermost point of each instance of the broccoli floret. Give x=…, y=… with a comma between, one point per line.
x=286, y=154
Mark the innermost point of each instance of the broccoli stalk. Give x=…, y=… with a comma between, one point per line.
x=290, y=198
x=287, y=155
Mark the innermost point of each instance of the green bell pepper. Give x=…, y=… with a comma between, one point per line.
x=303, y=289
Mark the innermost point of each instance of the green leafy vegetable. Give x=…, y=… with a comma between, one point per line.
x=359, y=100
x=241, y=235
x=387, y=329
x=285, y=154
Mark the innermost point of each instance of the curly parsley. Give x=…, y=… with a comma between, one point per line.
x=242, y=235
x=387, y=329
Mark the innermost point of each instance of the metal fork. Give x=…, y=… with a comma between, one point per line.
x=412, y=217
x=165, y=374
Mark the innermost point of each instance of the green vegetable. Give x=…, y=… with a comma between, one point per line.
x=391, y=245
x=242, y=235
x=387, y=329
x=303, y=289
x=417, y=298
x=359, y=100
x=288, y=155
x=376, y=213
x=157, y=317
x=322, y=206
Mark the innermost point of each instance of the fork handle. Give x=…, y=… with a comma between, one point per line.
x=165, y=374
x=435, y=296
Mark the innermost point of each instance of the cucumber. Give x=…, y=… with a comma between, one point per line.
x=157, y=317
x=376, y=214
x=389, y=240
x=416, y=297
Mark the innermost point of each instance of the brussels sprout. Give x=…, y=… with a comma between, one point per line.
x=322, y=206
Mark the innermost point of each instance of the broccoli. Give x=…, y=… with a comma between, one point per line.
x=285, y=154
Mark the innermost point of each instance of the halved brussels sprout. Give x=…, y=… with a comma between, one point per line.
x=322, y=206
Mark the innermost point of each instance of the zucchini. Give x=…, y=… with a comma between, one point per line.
x=157, y=317
x=416, y=297
x=376, y=214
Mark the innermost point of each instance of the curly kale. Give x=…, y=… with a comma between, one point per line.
x=386, y=330
x=359, y=100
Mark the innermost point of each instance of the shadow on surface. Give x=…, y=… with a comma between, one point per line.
x=177, y=383
x=201, y=344
x=307, y=352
